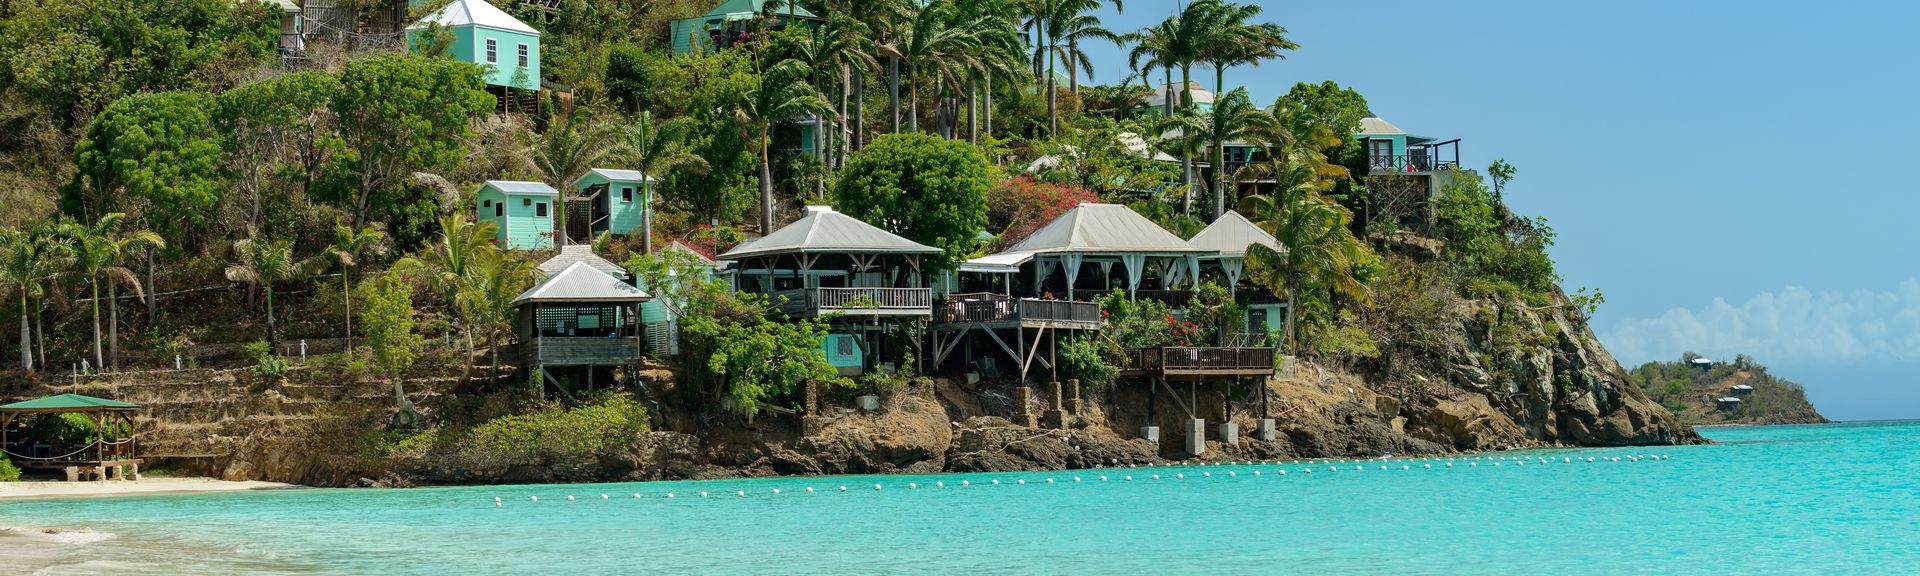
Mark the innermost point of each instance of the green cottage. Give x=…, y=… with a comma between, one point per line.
x=485, y=35
x=609, y=200
x=521, y=211
x=730, y=21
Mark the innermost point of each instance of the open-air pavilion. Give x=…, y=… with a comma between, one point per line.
x=1076, y=254
x=581, y=318
x=100, y=456
x=1227, y=241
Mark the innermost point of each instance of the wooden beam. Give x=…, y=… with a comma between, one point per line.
x=1031, y=353
x=1174, y=395
x=940, y=354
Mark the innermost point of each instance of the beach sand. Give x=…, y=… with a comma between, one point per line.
x=145, y=486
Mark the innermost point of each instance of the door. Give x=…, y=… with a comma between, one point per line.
x=1380, y=154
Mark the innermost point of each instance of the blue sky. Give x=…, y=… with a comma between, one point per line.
x=1730, y=174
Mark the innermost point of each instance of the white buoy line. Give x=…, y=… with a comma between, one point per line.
x=1306, y=466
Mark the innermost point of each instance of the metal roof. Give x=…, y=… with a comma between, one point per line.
x=1159, y=95
x=1232, y=234
x=619, y=174
x=756, y=6
x=69, y=403
x=824, y=231
x=1377, y=126
x=581, y=283
x=1729, y=399
x=1102, y=228
x=523, y=187
x=997, y=263
x=288, y=6
x=572, y=253
x=475, y=13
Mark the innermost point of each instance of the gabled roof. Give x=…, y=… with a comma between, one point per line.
x=581, y=283
x=1092, y=227
x=1377, y=126
x=572, y=253
x=475, y=13
x=1159, y=95
x=824, y=231
x=1231, y=235
x=69, y=403
x=523, y=187
x=619, y=174
x=755, y=6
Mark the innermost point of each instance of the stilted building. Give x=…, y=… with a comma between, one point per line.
x=579, y=326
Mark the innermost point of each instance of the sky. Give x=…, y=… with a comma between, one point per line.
x=1729, y=174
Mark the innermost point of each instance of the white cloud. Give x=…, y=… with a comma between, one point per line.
x=1791, y=326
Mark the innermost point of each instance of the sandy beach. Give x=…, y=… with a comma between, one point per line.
x=145, y=486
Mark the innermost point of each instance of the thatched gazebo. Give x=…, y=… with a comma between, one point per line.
x=100, y=457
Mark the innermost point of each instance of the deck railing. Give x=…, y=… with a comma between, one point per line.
x=995, y=308
x=857, y=301
x=1385, y=163
x=1195, y=360
x=582, y=350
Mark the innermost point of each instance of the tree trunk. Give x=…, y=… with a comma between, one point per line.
x=152, y=296
x=646, y=215
x=987, y=116
x=1219, y=151
x=766, y=186
x=1186, y=152
x=99, y=355
x=820, y=153
x=40, y=332
x=346, y=297
x=857, y=95
x=1292, y=303
x=1073, y=68
x=973, y=111
x=113, y=324
x=893, y=94
x=1053, y=114
x=273, y=338
x=404, y=407
x=913, y=99
x=26, y=334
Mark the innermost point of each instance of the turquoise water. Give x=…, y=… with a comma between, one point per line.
x=1789, y=499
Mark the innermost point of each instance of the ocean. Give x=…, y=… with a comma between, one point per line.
x=1816, y=499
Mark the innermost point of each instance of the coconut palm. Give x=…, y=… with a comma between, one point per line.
x=834, y=50
x=1320, y=248
x=97, y=251
x=446, y=267
x=30, y=259
x=1234, y=117
x=1067, y=23
x=1234, y=41
x=260, y=263
x=655, y=148
x=486, y=298
x=347, y=245
x=565, y=151
x=782, y=94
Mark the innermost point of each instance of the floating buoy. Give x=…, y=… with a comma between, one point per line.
x=1179, y=476
x=1359, y=468
x=740, y=493
x=941, y=484
x=1427, y=466
x=496, y=499
x=1566, y=460
x=1230, y=474
x=776, y=491
x=1129, y=478
x=964, y=483
x=1308, y=470
x=1405, y=467
x=876, y=486
x=1049, y=480
x=1473, y=464
x=1496, y=464
x=913, y=486
x=703, y=493
x=809, y=489
x=1449, y=464
x=1021, y=482
x=1256, y=472
x=636, y=495
x=603, y=496
x=1383, y=466
x=1283, y=472
x=996, y=482
x=843, y=488
x=569, y=497
x=1076, y=478
x=1156, y=476
x=669, y=494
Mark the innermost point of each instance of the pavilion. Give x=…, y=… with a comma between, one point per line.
x=581, y=318
x=101, y=457
x=1092, y=237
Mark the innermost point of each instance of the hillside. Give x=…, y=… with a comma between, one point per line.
x=1693, y=387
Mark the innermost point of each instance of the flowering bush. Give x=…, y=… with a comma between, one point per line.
x=1021, y=205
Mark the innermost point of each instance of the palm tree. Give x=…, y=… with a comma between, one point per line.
x=447, y=266
x=1153, y=48
x=832, y=50
x=567, y=150
x=655, y=148
x=1067, y=23
x=97, y=251
x=347, y=245
x=1234, y=117
x=782, y=94
x=486, y=298
x=1320, y=248
x=1185, y=130
x=29, y=259
x=1234, y=41
x=260, y=263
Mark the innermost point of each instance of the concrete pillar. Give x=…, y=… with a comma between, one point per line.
x=1151, y=433
x=1230, y=433
x=811, y=399
x=1266, y=430
x=1073, y=397
x=1022, y=408
x=1056, y=417
x=1196, y=436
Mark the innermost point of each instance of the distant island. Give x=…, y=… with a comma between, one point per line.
x=1702, y=391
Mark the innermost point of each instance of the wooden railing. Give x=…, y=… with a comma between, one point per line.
x=857, y=301
x=962, y=308
x=1197, y=360
x=581, y=350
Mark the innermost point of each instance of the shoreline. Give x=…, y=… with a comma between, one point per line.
x=150, y=486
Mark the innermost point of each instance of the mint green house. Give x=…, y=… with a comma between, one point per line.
x=482, y=34
x=729, y=22
x=522, y=213
x=1392, y=150
x=609, y=200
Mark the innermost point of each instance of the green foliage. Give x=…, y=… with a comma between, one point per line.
x=1692, y=392
x=920, y=186
x=73, y=430
x=266, y=364
x=1212, y=309
x=400, y=115
x=602, y=423
x=8, y=472
x=158, y=152
x=1331, y=106
x=1144, y=323
x=1483, y=242
x=1084, y=358
x=727, y=190
x=386, y=320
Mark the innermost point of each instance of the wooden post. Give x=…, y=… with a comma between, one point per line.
x=100, y=448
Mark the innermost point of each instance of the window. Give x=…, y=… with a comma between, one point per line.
x=526, y=201
x=626, y=193
x=486, y=203
x=523, y=55
x=499, y=209
x=493, y=51
x=540, y=210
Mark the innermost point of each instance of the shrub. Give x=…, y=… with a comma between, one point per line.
x=605, y=422
x=8, y=472
x=1083, y=358
x=266, y=364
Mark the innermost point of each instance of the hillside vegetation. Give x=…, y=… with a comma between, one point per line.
x=1693, y=392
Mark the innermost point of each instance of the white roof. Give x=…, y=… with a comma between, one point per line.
x=1742, y=387
x=523, y=187
x=1093, y=227
x=581, y=283
x=619, y=174
x=1231, y=235
x=824, y=231
x=1702, y=360
x=288, y=6
x=997, y=263
x=475, y=13
x=1729, y=399
x=582, y=253
x=1159, y=95
x=1377, y=126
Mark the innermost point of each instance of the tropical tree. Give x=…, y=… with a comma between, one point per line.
x=1234, y=117
x=388, y=318
x=447, y=267
x=399, y=115
x=348, y=244
x=919, y=186
x=568, y=149
x=1067, y=23
x=940, y=45
x=835, y=50
x=260, y=263
x=486, y=298
x=654, y=148
x=97, y=251
x=1320, y=248
x=29, y=259
x=1233, y=40
x=781, y=94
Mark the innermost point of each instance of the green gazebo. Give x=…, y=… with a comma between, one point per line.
x=47, y=453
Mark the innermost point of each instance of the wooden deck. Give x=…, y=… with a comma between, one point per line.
x=856, y=302
x=1198, y=362
x=994, y=312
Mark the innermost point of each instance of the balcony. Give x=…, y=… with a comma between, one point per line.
x=861, y=302
x=582, y=350
x=1171, y=362
x=1418, y=159
x=1000, y=311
